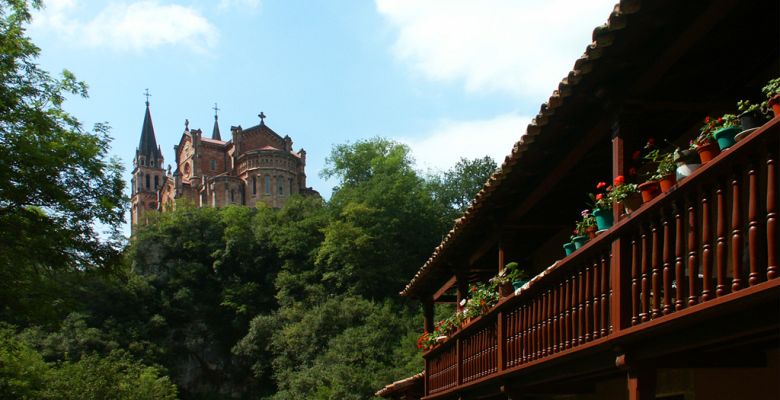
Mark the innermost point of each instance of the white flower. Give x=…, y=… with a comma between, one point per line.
x=463, y=302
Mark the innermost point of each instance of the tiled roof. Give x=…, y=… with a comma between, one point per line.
x=602, y=37
x=400, y=385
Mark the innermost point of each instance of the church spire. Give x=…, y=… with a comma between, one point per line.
x=148, y=147
x=215, y=133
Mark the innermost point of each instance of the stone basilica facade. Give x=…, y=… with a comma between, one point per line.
x=256, y=165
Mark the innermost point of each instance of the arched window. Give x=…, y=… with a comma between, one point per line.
x=254, y=185
x=147, y=181
x=267, y=184
x=280, y=184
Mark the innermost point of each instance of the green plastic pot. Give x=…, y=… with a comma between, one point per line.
x=518, y=284
x=579, y=241
x=568, y=248
x=725, y=136
x=604, y=218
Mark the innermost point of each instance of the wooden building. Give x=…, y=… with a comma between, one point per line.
x=678, y=300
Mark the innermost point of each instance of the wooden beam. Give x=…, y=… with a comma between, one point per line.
x=450, y=282
x=697, y=29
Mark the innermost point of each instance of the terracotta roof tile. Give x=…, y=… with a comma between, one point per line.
x=399, y=385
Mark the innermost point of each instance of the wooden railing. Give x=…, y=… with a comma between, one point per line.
x=712, y=235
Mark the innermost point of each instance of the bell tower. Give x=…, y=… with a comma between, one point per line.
x=148, y=173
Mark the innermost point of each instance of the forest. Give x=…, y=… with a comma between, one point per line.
x=293, y=303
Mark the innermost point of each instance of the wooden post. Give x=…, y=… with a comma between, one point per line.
x=641, y=383
x=620, y=306
x=428, y=314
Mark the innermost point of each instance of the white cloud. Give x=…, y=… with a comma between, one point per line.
x=521, y=47
x=129, y=26
x=450, y=140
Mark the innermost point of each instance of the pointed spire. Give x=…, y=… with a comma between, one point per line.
x=148, y=147
x=215, y=133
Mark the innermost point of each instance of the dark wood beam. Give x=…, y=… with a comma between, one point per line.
x=449, y=284
x=697, y=29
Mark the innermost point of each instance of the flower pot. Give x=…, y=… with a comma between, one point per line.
x=667, y=182
x=604, y=218
x=725, y=137
x=632, y=202
x=707, y=152
x=649, y=190
x=568, y=248
x=774, y=102
x=505, y=289
x=749, y=120
x=591, y=232
x=685, y=170
x=579, y=241
x=518, y=284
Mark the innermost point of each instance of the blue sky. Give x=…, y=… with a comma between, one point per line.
x=450, y=78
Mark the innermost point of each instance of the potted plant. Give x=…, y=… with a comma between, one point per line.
x=704, y=144
x=625, y=193
x=578, y=238
x=481, y=299
x=587, y=225
x=687, y=161
x=772, y=92
x=664, y=172
x=511, y=278
x=750, y=115
x=602, y=206
x=727, y=127
x=568, y=247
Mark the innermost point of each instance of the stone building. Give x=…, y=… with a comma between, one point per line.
x=256, y=165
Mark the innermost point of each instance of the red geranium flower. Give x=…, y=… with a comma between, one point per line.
x=636, y=154
x=651, y=142
x=619, y=180
x=599, y=196
x=707, y=120
x=601, y=185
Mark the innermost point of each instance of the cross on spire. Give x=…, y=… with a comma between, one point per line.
x=148, y=95
x=216, y=110
x=262, y=118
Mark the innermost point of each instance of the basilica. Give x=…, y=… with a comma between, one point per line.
x=256, y=165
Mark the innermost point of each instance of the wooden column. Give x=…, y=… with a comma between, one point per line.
x=641, y=383
x=427, y=305
x=620, y=306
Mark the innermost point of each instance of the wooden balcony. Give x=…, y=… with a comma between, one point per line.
x=703, y=254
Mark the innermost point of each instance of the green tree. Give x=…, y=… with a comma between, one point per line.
x=456, y=188
x=56, y=182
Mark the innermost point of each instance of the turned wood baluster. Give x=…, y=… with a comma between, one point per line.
x=678, y=260
x=706, y=250
x=567, y=316
x=645, y=303
x=656, y=277
x=634, y=283
x=604, y=291
x=588, y=273
x=771, y=217
x=524, y=339
x=557, y=323
x=550, y=319
x=736, y=236
x=667, y=279
x=544, y=324
x=693, y=255
x=596, y=296
x=535, y=328
x=753, y=226
x=574, y=310
x=721, y=252
x=581, y=310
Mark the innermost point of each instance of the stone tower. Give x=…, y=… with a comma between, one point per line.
x=148, y=174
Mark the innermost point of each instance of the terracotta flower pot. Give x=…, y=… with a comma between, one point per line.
x=707, y=152
x=506, y=289
x=774, y=102
x=591, y=232
x=632, y=203
x=667, y=182
x=649, y=190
